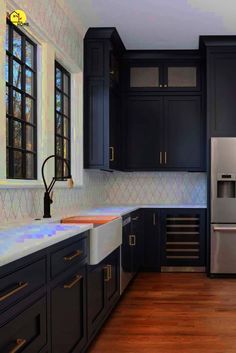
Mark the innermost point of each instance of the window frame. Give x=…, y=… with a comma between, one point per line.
x=62, y=136
x=10, y=118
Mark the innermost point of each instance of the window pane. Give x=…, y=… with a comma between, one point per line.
x=144, y=77
x=29, y=54
x=182, y=76
x=29, y=82
x=66, y=106
x=16, y=44
x=59, y=124
x=7, y=38
x=29, y=116
x=66, y=149
x=17, y=134
x=29, y=138
x=58, y=102
x=18, y=164
x=16, y=74
x=59, y=151
x=7, y=99
x=29, y=166
x=65, y=170
x=6, y=69
x=66, y=84
x=59, y=164
x=16, y=104
x=66, y=128
x=58, y=78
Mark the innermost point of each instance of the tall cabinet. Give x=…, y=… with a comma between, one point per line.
x=102, y=102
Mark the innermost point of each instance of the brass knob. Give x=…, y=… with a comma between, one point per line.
x=165, y=85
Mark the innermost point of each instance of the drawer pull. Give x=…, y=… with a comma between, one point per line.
x=110, y=271
x=20, y=286
x=20, y=342
x=73, y=283
x=72, y=257
x=106, y=273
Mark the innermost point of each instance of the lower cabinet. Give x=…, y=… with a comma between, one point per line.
x=151, y=248
x=68, y=312
x=103, y=290
x=26, y=332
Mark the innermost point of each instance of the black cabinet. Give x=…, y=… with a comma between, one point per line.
x=221, y=88
x=68, y=312
x=164, y=133
x=103, y=290
x=183, y=237
x=102, y=105
x=151, y=239
x=132, y=242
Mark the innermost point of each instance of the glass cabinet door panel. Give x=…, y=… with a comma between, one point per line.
x=182, y=76
x=144, y=77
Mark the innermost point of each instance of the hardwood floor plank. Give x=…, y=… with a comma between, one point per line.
x=172, y=313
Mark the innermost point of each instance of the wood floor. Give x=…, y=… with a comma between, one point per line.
x=172, y=313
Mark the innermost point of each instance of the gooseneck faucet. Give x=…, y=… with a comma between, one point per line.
x=48, y=188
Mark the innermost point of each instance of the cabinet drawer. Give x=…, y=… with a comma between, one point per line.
x=26, y=332
x=62, y=259
x=21, y=283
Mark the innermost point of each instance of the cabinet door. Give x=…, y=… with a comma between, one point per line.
x=115, y=130
x=113, y=285
x=151, y=240
x=183, y=237
x=137, y=232
x=182, y=77
x=143, y=129
x=145, y=77
x=68, y=312
x=97, y=278
x=127, y=253
x=184, y=133
x=221, y=99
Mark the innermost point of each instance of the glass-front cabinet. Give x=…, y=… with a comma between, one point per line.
x=165, y=77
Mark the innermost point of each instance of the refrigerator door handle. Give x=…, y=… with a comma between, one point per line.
x=224, y=229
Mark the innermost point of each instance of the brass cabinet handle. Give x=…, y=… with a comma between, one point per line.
x=135, y=218
x=20, y=342
x=71, y=257
x=165, y=85
x=112, y=154
x=132, y=240
x=160, y=157
x=106, y=273
x=160, y=85
x=165, y=157
x=154, y=219
x=110, y=271
x=74, y=282
x=21, y=286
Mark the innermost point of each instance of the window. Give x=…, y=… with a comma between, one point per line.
x=62, y=121
x=21, y=94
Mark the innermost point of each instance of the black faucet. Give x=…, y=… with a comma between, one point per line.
x=48, y=189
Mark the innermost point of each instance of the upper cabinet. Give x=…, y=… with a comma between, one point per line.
x=163, y=76
x=103, y=49
x=221, y=84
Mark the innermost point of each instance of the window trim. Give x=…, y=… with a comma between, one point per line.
x=10, y=148
x=62, y=136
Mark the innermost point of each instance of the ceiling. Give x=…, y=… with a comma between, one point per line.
x=158, y=24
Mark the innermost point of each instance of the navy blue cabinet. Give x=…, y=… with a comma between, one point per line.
x=164, y=133
x=102, y=104
x=103, y=290
x=151, y=239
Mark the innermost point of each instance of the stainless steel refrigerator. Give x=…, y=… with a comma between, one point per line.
x=223, y=205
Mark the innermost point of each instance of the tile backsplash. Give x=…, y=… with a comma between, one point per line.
x=107, y=188
x=150, y=188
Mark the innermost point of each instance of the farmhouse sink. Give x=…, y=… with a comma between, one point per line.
x=105, y=236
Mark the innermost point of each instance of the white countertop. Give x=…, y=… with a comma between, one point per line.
x=121, y=210
x=21, y=241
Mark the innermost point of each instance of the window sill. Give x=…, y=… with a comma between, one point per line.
x=32, y=184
